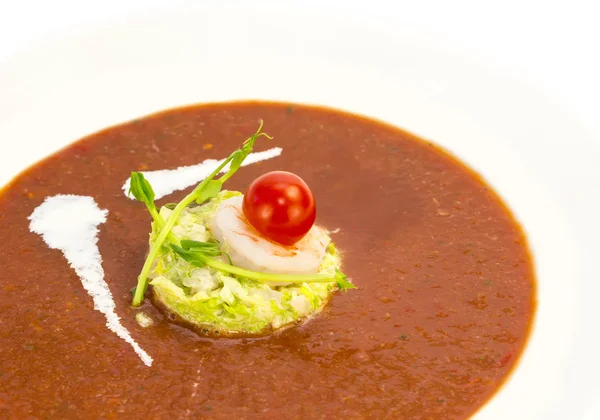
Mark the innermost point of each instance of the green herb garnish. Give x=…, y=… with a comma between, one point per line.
x=202, y=254
x=141, y=189
x=206, y=253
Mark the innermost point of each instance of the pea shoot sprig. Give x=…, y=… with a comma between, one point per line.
x=203, y=254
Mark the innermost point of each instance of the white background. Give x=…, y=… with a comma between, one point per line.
x=552, y=46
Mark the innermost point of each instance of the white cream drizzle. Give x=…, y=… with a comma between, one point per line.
x=69, y=223
x=167, y=181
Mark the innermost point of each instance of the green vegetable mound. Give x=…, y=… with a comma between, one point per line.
x=218, y=302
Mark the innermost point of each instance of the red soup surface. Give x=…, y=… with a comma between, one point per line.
x=445, y=298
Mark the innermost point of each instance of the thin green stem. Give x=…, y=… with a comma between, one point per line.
x=160, y=223
x=267, y=277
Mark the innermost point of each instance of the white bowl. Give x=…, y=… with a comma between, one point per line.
x=541, y=163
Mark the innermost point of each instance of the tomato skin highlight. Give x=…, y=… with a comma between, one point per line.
x=281, y=206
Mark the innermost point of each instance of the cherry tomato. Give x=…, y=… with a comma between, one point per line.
x=280, y=206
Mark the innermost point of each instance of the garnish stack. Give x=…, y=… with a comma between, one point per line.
x=209, y=254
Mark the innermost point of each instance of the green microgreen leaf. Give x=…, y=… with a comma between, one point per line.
x=141, y=189
x=342, y=281
x=238, y=157
x=211, y=190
